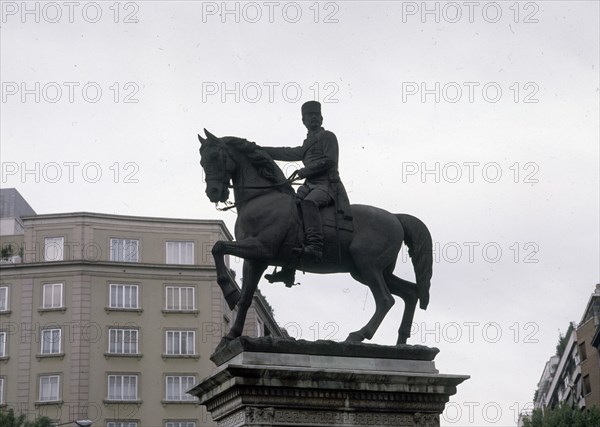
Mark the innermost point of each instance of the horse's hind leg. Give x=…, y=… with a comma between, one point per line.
x=383, y=301
x=408, y=292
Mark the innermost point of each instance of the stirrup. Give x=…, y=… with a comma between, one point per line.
x=286, y=276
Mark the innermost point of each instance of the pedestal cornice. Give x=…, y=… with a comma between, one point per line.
x=351, y=385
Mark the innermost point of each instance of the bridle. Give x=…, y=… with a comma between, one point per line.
x=291, y=180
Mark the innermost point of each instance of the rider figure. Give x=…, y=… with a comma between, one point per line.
x=319, y=154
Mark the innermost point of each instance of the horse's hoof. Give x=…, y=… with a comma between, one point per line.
x=223, y=343
x=401, y=341
x=355, y=337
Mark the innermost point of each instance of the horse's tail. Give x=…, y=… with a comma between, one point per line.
x=420, y=249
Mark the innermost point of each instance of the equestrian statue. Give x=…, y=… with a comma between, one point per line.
x=315, y=229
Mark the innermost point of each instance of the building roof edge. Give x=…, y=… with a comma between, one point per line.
x=99, y=215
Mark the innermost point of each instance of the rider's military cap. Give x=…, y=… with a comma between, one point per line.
x=311, y=107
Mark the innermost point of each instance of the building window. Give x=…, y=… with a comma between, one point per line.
x=1, y=391
x=53, y=248
x=582, y=352
x=3, y=298
x=121, y=424
x=180, y=424
x=177, y=387
x=123, y=296
x=259, y=328
x=180, y=252
x=181, y=342
x=180, y=298
x=2, y=344
x=124, y=250
x=122, y=387
x=587, y=386
x=123, y=341
x=50, y=340
x=52, y=295
x=49, y=388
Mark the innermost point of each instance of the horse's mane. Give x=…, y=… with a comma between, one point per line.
x=265, y=165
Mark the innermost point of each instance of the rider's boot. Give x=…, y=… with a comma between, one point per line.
x=286, y=275
x=313, y=232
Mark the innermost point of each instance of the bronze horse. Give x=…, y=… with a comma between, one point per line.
x=268, y=227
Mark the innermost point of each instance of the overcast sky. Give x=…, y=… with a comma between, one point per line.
x=481, y=119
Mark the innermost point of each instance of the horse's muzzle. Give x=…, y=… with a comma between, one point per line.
x=216, y=194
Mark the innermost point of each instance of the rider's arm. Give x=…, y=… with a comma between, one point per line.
x=289, y=154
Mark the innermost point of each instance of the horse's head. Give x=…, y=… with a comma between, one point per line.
x=218, y=167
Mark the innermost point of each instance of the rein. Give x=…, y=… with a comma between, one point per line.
x=266, y=187
x=229, y=205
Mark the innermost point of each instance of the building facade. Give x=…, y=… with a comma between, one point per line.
x=111, y=318
x=574, y=378
x=589, y=359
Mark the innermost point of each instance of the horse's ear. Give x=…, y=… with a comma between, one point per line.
x=202, y=140
x=209, y=135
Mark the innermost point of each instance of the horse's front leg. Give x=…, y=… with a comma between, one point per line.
x=247, y=249
x=224, y=278
x=253, y=271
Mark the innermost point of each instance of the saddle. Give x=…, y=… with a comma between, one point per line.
x=337, y=220
x=336, y=226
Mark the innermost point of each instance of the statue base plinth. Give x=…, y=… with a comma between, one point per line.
x=281, y=382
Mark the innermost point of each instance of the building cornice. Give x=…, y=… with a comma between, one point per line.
x=588, y=313
x=113, y=217
x=35, y=269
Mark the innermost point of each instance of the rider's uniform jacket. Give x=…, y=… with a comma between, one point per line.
x=319, y=153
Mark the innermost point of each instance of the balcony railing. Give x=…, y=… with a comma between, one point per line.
x=15, y=259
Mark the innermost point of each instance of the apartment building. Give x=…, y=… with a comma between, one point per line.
x=575, y=377
x=589, y=359
x=109, y=317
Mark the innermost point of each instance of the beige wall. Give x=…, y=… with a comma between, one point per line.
x=85, y=320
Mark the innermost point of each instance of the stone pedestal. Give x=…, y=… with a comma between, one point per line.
x=278, y=382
